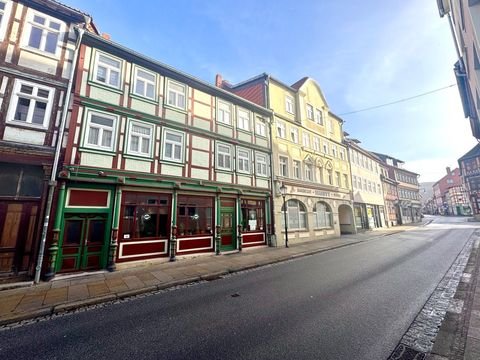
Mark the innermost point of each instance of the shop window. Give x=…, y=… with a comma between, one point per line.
x=296, y=215
x=253, y=215
x=21, y=181
x=323, y=215
x=194, y=215
x=145, y=216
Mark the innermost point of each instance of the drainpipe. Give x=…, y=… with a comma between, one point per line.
x=53, y=183
x=272, y=175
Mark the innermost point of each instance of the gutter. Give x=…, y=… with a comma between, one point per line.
x=53, y=183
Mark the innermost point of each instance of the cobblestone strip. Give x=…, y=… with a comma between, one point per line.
x=422, y=332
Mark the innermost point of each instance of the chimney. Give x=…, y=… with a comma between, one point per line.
x=448, y=170
x=106, y=36
x=218, y=80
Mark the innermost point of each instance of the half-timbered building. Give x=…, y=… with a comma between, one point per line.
x=37, y=44
x=158, y=164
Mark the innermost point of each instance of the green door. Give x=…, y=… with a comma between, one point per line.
x=84, y=243
x=228, y=228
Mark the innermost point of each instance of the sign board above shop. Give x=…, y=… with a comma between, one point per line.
x=319, y=193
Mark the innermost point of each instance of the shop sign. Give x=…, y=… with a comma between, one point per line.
x=320, y=193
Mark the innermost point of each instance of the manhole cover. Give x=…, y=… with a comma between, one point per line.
x=403, y=352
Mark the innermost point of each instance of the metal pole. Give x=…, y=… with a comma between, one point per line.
x=58, y=149
x=285, y=220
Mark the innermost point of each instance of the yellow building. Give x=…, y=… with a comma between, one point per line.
x=309, y=161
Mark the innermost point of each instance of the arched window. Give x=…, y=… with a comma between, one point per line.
x=323, y=215
x=296, y=215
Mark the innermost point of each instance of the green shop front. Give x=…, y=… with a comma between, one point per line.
x=99, y=225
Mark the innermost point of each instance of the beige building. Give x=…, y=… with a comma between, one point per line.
x=310, y=160
x=368, y=196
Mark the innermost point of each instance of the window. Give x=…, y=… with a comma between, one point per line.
x=260, y=127
x=140, y=138
x=281, y=130
x=224, y=157
x=337, y=179
x=107, y=70
x=296, y=215
x=365, y=184
x=176, y=94
x=173, y=145
x=100, y=131
x=318, y=117
x=145, y=216
x=325, y=148
x=145, y=83
x=243, y=161
x=261, y=164
x=354, y=181
x=283, y=164
x=309, y=172
x=243, y=119
x=294, y=134
x=253, y=215
x=345, y=181
x=306, y=139
x=44, y=33
x=309, y=111
x=320, y=171
x=296, y=169
x=370, y=186
x=194, y=215
x=342, y=154
x=289, y=104
x=4, y=13
x=330, y=177
x=316, y=143
x=31, y=104
x=224, y=115
x=334, y=150
x=323, y=215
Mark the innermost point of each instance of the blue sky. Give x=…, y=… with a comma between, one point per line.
x=362, y=53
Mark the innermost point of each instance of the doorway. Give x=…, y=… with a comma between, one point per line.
x=84, y=243
x=228, y=225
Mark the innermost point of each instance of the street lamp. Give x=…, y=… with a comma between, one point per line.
x=283, y=191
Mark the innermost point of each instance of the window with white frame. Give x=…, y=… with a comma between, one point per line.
x=320, y=174
x=306, y=139
x=100, y=131
x=337, y=179
x=354, y=181
x=224, y=157
x=325, y=148
x=260, y=127
x=140, y=138
x=334, y=150
x=243, y=119
x=224, y=113
x=345, y=181
x=309, y=112
x=176, y=94
x=316, y=143
x=318, y=117
x=342, y=154
x=43, y=33
x=4, y=14
x=296, y=169
x=308, y=172
x=296, y=215
x=31, y=104
x=261, y=164
x=243, y=160
x=283, y=166
x=294, y=134
x=281, y=130
x=330, y=177
x=289, y=104
x=323, y=215
x=145, y=83
x=108, y=70
x=365, y=184
x=173, y=145
x=370, y=186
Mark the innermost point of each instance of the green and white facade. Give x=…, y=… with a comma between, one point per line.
x=157, y=164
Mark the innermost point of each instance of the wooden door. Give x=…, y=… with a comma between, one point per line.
x=228, y=228
x=85, y=243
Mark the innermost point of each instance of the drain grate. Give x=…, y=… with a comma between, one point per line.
x=403, y=352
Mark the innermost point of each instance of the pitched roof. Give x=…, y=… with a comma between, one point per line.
x=299, y=83
x=472, y=153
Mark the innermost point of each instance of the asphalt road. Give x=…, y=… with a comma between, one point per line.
x=351, y=303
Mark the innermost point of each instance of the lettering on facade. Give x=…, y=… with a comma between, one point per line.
x=325, y=194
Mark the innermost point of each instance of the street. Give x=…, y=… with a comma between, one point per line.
x=355, y=302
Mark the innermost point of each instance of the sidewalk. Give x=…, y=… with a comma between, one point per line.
x=65, y=294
